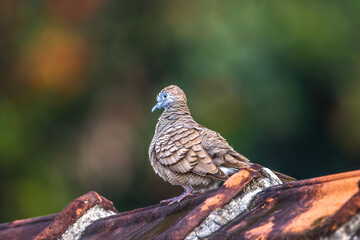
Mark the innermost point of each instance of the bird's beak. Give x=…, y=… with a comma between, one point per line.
x=157, y=106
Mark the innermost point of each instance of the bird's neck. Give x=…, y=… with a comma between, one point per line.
x=172, y=114
x=176, y=111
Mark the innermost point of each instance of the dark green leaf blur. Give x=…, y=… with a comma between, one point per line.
x=280, y=80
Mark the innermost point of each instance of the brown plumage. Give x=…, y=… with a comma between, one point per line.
x=185, y=153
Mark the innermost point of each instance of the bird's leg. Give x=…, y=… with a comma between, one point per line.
x=179, y=198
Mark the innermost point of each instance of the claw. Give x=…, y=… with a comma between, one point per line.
x=178, y=198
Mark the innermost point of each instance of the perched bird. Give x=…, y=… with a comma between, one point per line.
x=188, y=154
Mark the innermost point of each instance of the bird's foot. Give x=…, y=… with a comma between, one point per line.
x=178, y=198
x=174, y=200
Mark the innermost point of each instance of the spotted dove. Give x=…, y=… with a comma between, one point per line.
x=188, y=154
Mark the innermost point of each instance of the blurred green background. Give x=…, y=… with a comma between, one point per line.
x=279, y=80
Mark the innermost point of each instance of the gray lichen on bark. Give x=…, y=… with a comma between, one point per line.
x=74, y=232
x=349, y=230
x=224, y=215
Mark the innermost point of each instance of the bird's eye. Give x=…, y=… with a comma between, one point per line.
x=165, y=95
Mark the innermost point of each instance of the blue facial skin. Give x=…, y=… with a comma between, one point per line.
x=163, y=101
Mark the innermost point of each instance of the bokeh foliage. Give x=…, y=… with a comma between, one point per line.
x=279, y=79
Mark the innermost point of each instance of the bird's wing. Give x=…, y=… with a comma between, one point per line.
x=221, y=152
x=225, y=156
x=179, y=148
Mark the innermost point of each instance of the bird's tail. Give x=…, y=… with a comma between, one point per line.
x=284, y=178
x=231, y=166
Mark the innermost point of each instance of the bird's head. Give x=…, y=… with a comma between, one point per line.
x=169, y=96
